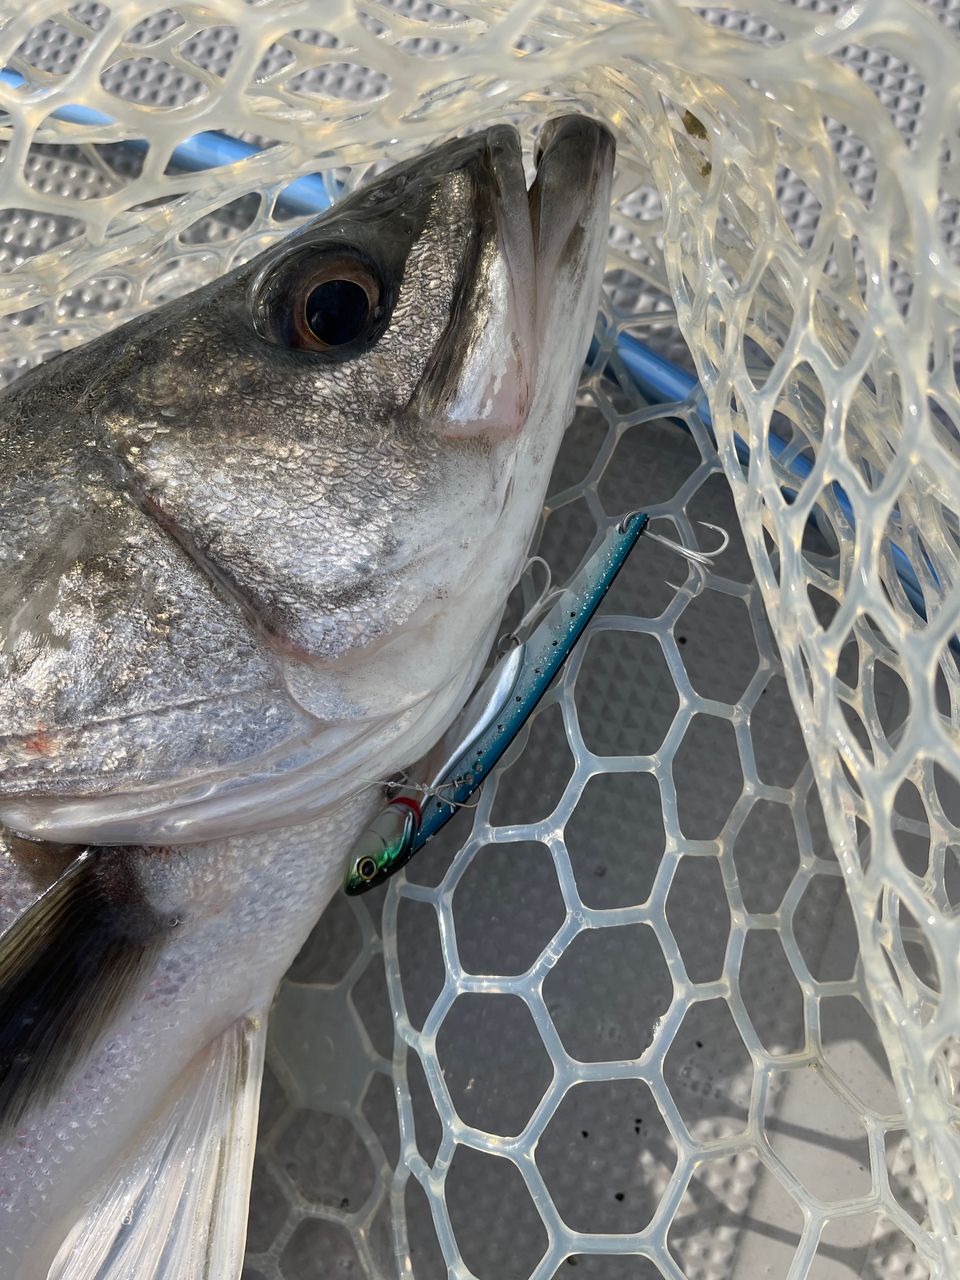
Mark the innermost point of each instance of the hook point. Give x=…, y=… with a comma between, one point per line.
x=715, y=528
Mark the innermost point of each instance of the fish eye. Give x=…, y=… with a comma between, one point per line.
x=325, y=301
x=366, y=869
x=336, y=304
x=336, y=311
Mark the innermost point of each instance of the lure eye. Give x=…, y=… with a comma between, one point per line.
x=366, y=869
x=326, y=301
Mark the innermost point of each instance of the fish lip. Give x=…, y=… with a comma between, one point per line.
x=574, y=156
x=503, y=158
x=572, y=131
x=580, y=147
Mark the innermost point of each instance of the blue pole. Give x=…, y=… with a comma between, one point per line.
x=206, y=150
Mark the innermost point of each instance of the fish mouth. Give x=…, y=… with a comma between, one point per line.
x=532, y=246
x=540, y=229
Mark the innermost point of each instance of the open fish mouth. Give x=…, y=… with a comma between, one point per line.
x=189, y=707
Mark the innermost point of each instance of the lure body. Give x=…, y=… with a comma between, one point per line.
x=493, y=719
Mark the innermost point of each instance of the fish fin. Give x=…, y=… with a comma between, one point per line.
x=177, y=1207
x=66, y=966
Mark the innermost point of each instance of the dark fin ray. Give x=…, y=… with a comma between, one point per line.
x=176, y=1205
x=40, y=860
x=66, y=967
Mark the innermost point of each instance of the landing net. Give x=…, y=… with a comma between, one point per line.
x=680, y=996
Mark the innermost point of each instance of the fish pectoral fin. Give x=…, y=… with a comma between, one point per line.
x=176, y=1209
x=67, y=966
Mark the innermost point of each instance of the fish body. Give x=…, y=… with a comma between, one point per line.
x=253, y=549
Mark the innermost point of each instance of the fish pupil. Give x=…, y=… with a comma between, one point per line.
x=337, y=312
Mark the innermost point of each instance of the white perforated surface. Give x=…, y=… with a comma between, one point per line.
x=630, y=1005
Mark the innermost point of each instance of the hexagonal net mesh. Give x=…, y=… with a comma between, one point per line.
x=679, y=997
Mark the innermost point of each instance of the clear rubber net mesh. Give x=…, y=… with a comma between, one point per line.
x=679, y=997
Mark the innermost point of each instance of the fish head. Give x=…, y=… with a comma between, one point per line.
x=343, y=447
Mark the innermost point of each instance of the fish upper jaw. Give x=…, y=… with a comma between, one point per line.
x=567, y=209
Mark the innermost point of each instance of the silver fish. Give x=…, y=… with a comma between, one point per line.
x=254, y=547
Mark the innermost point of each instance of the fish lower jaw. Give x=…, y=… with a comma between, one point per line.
x=186, y=813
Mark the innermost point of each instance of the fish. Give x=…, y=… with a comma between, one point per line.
x=254, y=549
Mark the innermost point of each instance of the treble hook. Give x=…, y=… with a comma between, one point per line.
x=548, y=595
x=702, y=559
x=696, y=556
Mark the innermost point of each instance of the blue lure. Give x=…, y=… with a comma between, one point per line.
x=493, y=717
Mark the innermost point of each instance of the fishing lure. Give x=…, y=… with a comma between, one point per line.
x=498, y=711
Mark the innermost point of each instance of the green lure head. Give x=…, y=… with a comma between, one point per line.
x=382, y=848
